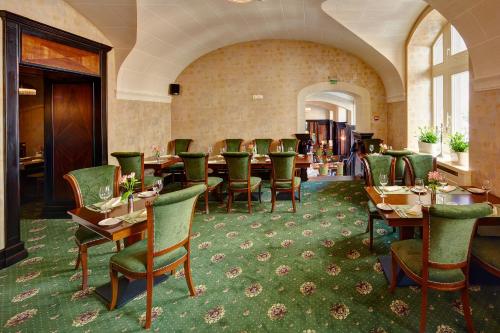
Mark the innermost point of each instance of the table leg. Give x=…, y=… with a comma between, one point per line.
x=403, y=280
x=133, y=239
x=406, y=233
x=303, y=174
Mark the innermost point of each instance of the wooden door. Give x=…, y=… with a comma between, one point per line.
x=69, y=136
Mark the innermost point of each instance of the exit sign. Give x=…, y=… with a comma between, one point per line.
x=333, y=81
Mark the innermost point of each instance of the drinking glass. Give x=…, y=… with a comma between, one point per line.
x=371, y=148
x=244, y=147
x=210, y=149
x=383, y=179
x=290, y=149
x=419, y=186
x=158, y=186
x=222, y=150
x=278, y=148
x=105, y=194
x=487, y=187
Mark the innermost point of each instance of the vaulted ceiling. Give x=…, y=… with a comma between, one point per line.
x=159, y=38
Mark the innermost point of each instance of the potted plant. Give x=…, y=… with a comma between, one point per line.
x=428, y=141
x=459, y=145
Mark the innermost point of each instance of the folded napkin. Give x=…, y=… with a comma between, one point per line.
x=414, y=211
x=135, y=216
x=447, y=188
x=391, y=188
x=111, y=203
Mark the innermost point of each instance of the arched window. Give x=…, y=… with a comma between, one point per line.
x=450, y=73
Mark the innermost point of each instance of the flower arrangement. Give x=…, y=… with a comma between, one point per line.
x=156, y=151
x=128, y=183
x=434, y=178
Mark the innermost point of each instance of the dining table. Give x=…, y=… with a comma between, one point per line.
x=404, y=198
x=158, y=164
x=130, y=229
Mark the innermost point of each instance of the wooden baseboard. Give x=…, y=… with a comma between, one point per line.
x=12, y=254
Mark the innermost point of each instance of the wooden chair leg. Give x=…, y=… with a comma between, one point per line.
x=220, y=193
x=187, y=275
x=249, y=199
x=466, y=308
x=260, y=193
x=423, y=309
x=85, y=272
x=300, y=195
x=114, y=288
x=118, y=246
x=206, y=202
x=273, y=199
x=229, y=199
x=149, y=299
x=293, y=200
x=370, y=231
x=394, y=273
x=78, y=259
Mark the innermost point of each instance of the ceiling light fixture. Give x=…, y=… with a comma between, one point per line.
x=27, y=90
x=240, y=1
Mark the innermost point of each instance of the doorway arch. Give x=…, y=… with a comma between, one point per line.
x=361, y=97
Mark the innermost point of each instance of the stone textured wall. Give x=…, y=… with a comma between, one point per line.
x=397, y=125
x=216, y=98
x=484, y=151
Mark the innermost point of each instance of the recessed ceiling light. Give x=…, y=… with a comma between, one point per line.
x=240, y=1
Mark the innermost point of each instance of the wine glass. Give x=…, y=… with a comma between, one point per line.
x=278, y=148
x=371, y=148
x=383, y=179
x=105, y=194
x=290, y=149
x=486, y=185
x=210, y=149
x=158, y=186
x=222, y=150
x=419, y=186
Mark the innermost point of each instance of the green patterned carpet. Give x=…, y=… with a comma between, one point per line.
x=282, y=272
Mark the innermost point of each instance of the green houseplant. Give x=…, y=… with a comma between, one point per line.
x=459, y=144
x=428, y=141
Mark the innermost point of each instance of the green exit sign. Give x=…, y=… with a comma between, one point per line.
x=333, y=81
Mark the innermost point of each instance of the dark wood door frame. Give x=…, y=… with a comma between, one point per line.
x=13, y=26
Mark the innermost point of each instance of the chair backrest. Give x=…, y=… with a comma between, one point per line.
x=283, y=166
x=181, y=145
x=400, y=164
x=263, y=146
x=131, y=162
x=374, y=165
x=195, y=166
x=290, y=143
x=85, y=183
x=238, y=166
x=419, y=166
x=169, y=219
x=447, y=235
x=233, y=145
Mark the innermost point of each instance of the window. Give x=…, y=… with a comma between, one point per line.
x=460, y=103
x=450, y=83
x=437, y=51
x=437, y=86
x=457, y=42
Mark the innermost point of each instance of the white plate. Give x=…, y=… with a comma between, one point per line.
x=415, y=190
x=385, y=207
x=109, y=222
x=146, y=194
x=476, y=190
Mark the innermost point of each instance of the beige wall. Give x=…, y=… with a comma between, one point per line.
x=127, y=120
x=397, y=125
x=216, y=99
x=484, y=151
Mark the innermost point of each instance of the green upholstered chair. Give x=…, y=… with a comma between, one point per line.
x=263, y=146
x=169, y=219
x=373, y=166
x=196, y=172
x=85, y=184
x=440, y=260
x=290, y=143
x=240, y=180
x=178, y=146
x=400, y=164
x=485, y=252
x=365, y=149
x=134, y=162
x=233, y=145
x=419, y=166
x=283, y=176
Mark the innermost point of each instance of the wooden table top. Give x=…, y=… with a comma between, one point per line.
x=165, y=161
x=300, y=162
x=393, y=219
x=90, y=219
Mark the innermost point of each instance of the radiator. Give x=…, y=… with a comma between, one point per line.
x=455, y=175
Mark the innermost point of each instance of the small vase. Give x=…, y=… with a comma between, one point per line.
x=433, y=196
x=130, y=203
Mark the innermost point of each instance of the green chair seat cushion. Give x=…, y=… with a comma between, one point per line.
x=84, y=235
x=133, y=258
x=372, y=209
x=487, y=249
x=254, y=181
x=285, y=184
x=409, y=253
x=214, y=181
x=150, y=180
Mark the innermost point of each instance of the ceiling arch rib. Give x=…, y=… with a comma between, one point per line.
x=173, y=33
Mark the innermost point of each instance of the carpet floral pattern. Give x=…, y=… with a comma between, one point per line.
x=280, y=272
